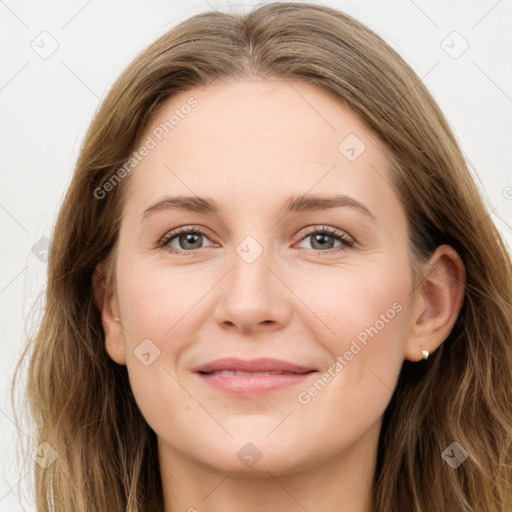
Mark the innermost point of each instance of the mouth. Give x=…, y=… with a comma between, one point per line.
x=252, y=378
x=260, y=365
x=240, y=373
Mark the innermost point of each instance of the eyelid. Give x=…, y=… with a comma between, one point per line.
x=347, y=241
x=173, y=233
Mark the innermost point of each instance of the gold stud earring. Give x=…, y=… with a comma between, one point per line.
x=425, y=353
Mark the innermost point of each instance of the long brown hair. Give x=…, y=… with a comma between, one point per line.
x=80, y=400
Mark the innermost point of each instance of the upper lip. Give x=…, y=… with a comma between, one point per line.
x=262, y=364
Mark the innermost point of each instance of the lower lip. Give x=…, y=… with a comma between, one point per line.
x=253, y=385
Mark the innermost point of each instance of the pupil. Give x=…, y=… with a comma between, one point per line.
x=320, y=238
x=189, y=238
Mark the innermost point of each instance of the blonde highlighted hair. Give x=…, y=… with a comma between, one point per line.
x=81, y=401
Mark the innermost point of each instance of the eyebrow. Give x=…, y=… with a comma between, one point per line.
x=293, y=204
x=303, y=203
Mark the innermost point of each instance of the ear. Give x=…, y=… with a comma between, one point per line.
x=439, y=299
x=106, y=301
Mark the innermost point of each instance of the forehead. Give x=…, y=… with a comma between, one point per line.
x=250, y=137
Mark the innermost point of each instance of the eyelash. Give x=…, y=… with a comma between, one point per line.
x=347, y=242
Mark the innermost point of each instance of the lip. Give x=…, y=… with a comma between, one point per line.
x=285, y=374
x=263, y=364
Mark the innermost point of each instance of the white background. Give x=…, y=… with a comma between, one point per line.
x=47, y=104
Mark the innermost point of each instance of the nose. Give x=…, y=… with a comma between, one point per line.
x=253, y=296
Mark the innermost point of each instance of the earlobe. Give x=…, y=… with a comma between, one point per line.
x=106, y=302
x=440, y=298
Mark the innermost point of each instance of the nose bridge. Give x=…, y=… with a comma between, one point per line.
x=252, y=294
x=251, y=262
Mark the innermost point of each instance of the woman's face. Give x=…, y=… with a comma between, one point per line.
x=258, y=166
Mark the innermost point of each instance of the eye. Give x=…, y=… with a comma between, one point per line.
x=187, y=240
x=324, y=238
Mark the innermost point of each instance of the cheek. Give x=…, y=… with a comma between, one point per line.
x=368, y=315
x=155, y=302
x=360, y=304
x=161, y=310
x=157, y=318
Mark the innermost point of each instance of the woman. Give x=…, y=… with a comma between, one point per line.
x=337, y=336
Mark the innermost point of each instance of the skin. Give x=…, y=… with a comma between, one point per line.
x=249, y=145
